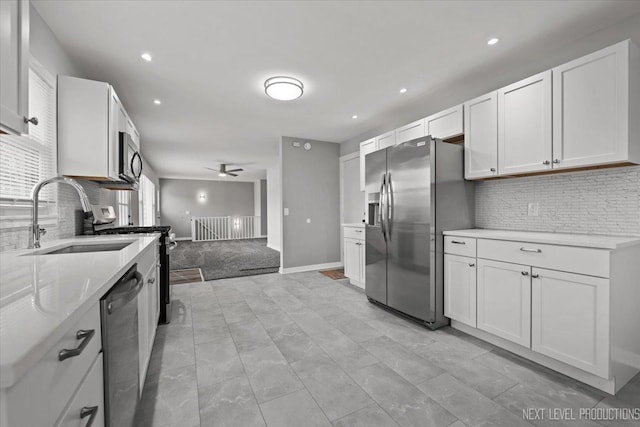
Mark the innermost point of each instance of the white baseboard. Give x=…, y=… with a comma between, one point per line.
x=275, y=248
x=310, y=267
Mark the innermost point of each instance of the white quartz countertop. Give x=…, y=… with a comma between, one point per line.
x=354, y=224
x=42, y=296
x=582, y=240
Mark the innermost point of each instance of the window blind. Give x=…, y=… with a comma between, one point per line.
x=25, y=160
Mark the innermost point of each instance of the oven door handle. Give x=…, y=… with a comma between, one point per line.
x=173, y=245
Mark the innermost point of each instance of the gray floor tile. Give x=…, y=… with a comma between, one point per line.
x=169, y=398
x=229, y=403
x=172, y=350
x=471, y=407
x=294, y=410
x=269, y=373
x=371, y=416
x=406, y=404
x=353, y=327
x=249, y=335
x=293, y=343
x=217, y=361
x=346, y=352
x=311, y=322
x=611, y=403
x=410, y=366
x=238, y=312
x=334, y=391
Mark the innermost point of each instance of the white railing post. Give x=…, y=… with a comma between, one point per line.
x=225, y=228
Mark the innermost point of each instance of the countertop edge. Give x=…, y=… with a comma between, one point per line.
x=504, y=235
x=13, y=373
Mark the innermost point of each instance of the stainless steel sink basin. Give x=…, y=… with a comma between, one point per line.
x=77, y=248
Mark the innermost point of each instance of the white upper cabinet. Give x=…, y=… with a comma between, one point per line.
x=445, y=124
x=481, y=136
x=411, y=131
x=386, y=140
x=524, y=125
x=90, y=117
x=366, y=147
x=14, y=67
x=596, y=108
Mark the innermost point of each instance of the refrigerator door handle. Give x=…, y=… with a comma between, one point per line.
x=390, y=202
x=381, y=215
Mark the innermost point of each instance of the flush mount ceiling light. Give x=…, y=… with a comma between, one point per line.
x=354, y=117
x=283, y=88
x=493, y=41
x=403, y=90
x=146, y=56
x=157, y=101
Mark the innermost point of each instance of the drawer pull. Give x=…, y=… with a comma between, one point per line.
x=525, y=273
x=89, y=411
x=471, y=264
x=151, y=281
x=359, y=244
x=358, y=231
x=538, y=251
x=85, y=336
x=458, y=242
x=535, y=276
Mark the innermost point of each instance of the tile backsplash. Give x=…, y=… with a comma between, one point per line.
x=605, y=201
x=69, y=221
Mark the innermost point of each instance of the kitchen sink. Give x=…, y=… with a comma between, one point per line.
x=76, y=248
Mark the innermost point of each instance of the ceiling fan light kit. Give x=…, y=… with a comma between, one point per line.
x=223, y=171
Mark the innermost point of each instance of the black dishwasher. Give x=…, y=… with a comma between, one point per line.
x=119, y=312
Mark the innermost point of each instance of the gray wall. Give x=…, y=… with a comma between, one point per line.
x=310, y=189
x=590, y=202
x=514, y=66
x=263, y=207
x=223, y=198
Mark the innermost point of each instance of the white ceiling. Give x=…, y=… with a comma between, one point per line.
x=210, y=59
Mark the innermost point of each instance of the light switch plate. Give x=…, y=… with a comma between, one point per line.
x=286, y=211
x=533, y=209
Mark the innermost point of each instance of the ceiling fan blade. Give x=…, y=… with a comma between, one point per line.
x=235, y=170
x=211, y=169
x=232, y=174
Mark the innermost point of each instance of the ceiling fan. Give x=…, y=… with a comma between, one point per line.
x=223, y=171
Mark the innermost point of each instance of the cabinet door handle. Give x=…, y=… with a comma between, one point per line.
x=358, y=231
x=525, y=273
x=538, y=251
x=556, y=161
x=458, y=242
x=151, y=281
x=359, y=244
x=471, y=264
x=85, y=336
x=33, y=120
x=492, y=169
x=89, y=411
x=535, y=276
x=546, y=162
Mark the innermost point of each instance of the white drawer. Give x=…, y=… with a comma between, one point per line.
x=88, y=401
x=593, y=262
x=465, y=246
x=354, y=233
x=50, y=384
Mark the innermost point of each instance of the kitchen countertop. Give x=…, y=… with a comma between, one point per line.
x=354, y=224
x=42, y=296
x=582, y=240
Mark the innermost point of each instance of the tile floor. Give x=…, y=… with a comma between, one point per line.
x=304, y=350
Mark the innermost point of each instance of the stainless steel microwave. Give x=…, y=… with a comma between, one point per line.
x=130, y=162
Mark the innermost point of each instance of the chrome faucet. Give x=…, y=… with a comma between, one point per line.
x=35, y=227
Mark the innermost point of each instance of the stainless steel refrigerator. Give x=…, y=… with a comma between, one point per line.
x=415, y=191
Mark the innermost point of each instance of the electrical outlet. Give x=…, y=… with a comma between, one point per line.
x=533, y=209
x=286, y=211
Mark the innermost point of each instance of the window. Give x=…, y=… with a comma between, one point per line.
x=124, y=212
x=25, y=160
x=147, y=201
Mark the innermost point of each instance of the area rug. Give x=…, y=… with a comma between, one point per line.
x=226, y=258
x=188, y=275
x=334, y=274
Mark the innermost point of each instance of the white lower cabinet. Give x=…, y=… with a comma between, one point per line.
x=354, y=249
x=148, y=309
x=570, y=319
x=87, y=406
x=504, y=300
x=460, y=288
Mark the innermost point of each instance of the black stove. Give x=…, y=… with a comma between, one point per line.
x=166, y=245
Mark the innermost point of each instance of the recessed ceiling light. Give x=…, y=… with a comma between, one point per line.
x=283, y=88
x=493, y=41
x=403, y=90
x=354, y=117
x=146, y=56
x=157, y=101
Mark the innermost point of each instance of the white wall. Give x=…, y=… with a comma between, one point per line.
x=274, y=203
